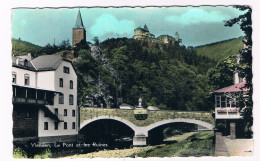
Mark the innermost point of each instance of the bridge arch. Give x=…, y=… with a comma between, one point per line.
x=126, y=122
x=192, y=121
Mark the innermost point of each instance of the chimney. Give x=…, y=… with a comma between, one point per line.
x=236, y=77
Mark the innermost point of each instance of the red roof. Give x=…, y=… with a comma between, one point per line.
x=239, y=87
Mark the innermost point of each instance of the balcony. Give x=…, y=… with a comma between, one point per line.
x=29, y=101
x=28, y=95
x=227, y=113
x=40, y=98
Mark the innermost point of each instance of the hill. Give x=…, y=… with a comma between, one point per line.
x=170, y=77
x=220, y=49
x=20, y=47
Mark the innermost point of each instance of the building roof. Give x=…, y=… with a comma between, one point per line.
x=41, y=63
x=145, y=27
x=22, y=63
x=165, y=36
x=47, y=62
x=79, y=23
x=239, y=87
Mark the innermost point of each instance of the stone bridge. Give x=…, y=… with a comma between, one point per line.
x=142, y=127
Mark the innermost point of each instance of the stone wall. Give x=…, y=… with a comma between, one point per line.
x=153, y=116
x=25, y=121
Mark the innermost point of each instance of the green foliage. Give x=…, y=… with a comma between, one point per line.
x=52, y=49
x=245, y=22
x=18, y=153
x=46, y=154
x=173, y=78
x=82, y=45
x=205, y=135
x=222, y=75
x=20, y=47
x=197, y=145
x=221, y=50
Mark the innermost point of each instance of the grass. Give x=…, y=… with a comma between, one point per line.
x=20, y=47
x=221, y=50
x=20, y=153
x=196, y=145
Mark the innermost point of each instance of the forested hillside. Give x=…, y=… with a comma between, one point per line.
x=20, y=47
x=220, y=49
x=173, y=78
x=169, y=76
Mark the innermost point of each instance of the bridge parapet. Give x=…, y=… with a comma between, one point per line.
x=153, y=116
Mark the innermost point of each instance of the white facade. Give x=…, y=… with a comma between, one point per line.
x=20, y=76
x=50, y=80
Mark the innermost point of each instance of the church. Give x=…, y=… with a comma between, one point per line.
x=79, y=32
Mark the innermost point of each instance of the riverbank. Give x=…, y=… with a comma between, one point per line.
x=119, y=153
x=187, y=144
x=196, y=145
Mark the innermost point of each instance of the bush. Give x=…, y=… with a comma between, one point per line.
x=45, y=154
x=18, y=153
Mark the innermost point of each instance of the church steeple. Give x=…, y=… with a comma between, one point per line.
x=79, y=32
x=79, y=23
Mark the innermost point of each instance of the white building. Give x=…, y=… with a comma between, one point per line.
x=44, y=99
x=227, y=104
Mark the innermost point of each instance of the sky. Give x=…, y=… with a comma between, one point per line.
x=195, y=25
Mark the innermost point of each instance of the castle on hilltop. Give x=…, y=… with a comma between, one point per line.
x=142, y=33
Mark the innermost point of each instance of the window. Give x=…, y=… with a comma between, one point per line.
x=14, y=77
x=65, y=125
x=73, y=125
x=73, y=113
x=27, y=79
x=56, y=111
x=66, y=69
x=71, y=84
x=217, y=100
x=61, y=98
x=71, y=99
x=56, y=125
x=65, y=112
x=45, y=125
x=223, y=101
x=61, y=82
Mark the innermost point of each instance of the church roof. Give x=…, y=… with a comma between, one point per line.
x=239, y=87
x=79, y=23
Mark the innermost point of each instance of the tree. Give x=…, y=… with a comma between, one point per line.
x=222, y=75
x=245, y=66
x=82, y=45
x=96, y=40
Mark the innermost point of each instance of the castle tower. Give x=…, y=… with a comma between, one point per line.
x=146, y=28
x=177, y=38
x=79, y=32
